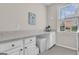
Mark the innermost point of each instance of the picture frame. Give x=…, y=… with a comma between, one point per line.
x=31, y=18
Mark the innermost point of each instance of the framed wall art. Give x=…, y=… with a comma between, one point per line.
x=31, y=18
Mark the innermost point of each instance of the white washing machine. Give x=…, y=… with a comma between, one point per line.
x=42, y=44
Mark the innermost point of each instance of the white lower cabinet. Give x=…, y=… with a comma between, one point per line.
x=51, y=40
x=31, y=48
x=10, y=45
x=20, y=47
x=25, y=51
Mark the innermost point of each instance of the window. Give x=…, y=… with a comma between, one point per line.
x=68, y=10
x=68, y=21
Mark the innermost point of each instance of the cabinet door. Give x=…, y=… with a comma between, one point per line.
x=5, y=46
x=10, y=45
x=16, y=51
x=28, y=49
x=25, y=51
x=30, y=40
x=31, y=50
x=51, y=40
x=21, y=51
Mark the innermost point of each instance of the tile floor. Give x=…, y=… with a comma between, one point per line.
x=57, y=50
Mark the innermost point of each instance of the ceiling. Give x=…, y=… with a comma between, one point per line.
x=48, y=4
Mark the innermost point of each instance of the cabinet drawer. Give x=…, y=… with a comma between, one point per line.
x=17, y=43
x=30, y=40
x=16, y=51
x=5, y=46
x=32, y=50
x=10, y=45
x=30, y=45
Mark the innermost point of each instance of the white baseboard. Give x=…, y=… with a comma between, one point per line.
x=67, y=47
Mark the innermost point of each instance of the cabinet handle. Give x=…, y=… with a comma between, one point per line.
x=21, y=49
x=13, y=45
x=30, y=40
x=25, y=47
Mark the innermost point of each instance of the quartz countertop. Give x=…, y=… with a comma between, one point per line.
x=10, y=35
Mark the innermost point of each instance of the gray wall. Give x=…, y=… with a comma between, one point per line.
x=15, y=16
x=52, y=17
